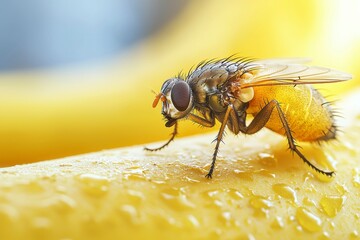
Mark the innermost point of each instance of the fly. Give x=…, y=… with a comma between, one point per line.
x=277, y=93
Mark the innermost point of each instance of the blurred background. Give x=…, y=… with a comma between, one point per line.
x=76, y=77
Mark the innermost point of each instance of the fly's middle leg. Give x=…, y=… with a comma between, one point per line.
x=263, y=117
x=229, y=113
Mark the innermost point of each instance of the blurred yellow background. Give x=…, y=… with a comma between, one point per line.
x=51, y=113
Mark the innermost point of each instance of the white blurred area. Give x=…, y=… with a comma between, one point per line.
x=49, y=33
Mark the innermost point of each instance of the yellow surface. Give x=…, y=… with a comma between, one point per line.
x=259, y=190
x=49, y=114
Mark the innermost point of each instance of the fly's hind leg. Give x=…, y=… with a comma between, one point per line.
x=263, y=117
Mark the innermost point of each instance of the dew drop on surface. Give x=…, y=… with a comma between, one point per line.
x=136, y=197
x=278, y=223
x=354, y=235
x=285, y=191
x=177, y=201
x=191, y=180
x=226, y=218
x=308, y=220
x=267, y=159
x=324, y=236
x=218, y=203
x=308, y=202
x=212, y=193
x=341, y=188
x=332, y=204
x=260, y=202
x=265, y=173
x=261, y=206
x=8, y=214
x=33, y=187
x=159, y=182
x=244, y=174
x=193, y=220
x=62, y=203
x=134, y=177
x=235, y=194
x=94, y=184
x=356, y=177
x=131, y=212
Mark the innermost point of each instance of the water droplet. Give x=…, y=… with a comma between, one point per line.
x=188, y=179
x=235, y=194
x=354, y=235
x=176, y=199
x=32, y=187
x=308, y=202
x=134, y=177
x=261, y=206
x=193, y=220
x=308, y=220
x=244, y=175
x=136, y=197
x=265, y=173
x=332, y=204
x=61, y=203
x=310, y=188
x=94, y=184
x=267, y=160
x=218, y=203
x=8, y=215
x=260, y=202
x=285, y=191
x=278, y=223
x=159, y=182
x=356, y=177
x=212, y=193
x=134, y=173
x=226, y=218
x=324, y=236
x=131, y=213
x=341, y=188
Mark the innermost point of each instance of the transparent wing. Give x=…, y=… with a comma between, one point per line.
x=283, y=61
x=269, y=74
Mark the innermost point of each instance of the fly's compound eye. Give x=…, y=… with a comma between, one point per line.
x=180, y=95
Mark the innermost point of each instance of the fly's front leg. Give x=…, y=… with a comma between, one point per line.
x=219, y=138
x=207, y=119
x=173, y=134
x=263, y=117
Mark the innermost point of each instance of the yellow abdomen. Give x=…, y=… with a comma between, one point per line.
x=306, y=111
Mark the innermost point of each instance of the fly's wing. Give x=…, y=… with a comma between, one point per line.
x=282, y=61
x=270, y=73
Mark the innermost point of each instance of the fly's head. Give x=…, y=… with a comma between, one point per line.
x=177, y=100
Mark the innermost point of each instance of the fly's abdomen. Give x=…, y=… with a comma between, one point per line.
x=309, y=116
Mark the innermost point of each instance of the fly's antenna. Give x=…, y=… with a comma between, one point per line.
x=158, y=96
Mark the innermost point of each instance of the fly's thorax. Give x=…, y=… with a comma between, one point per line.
x=178, y=99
